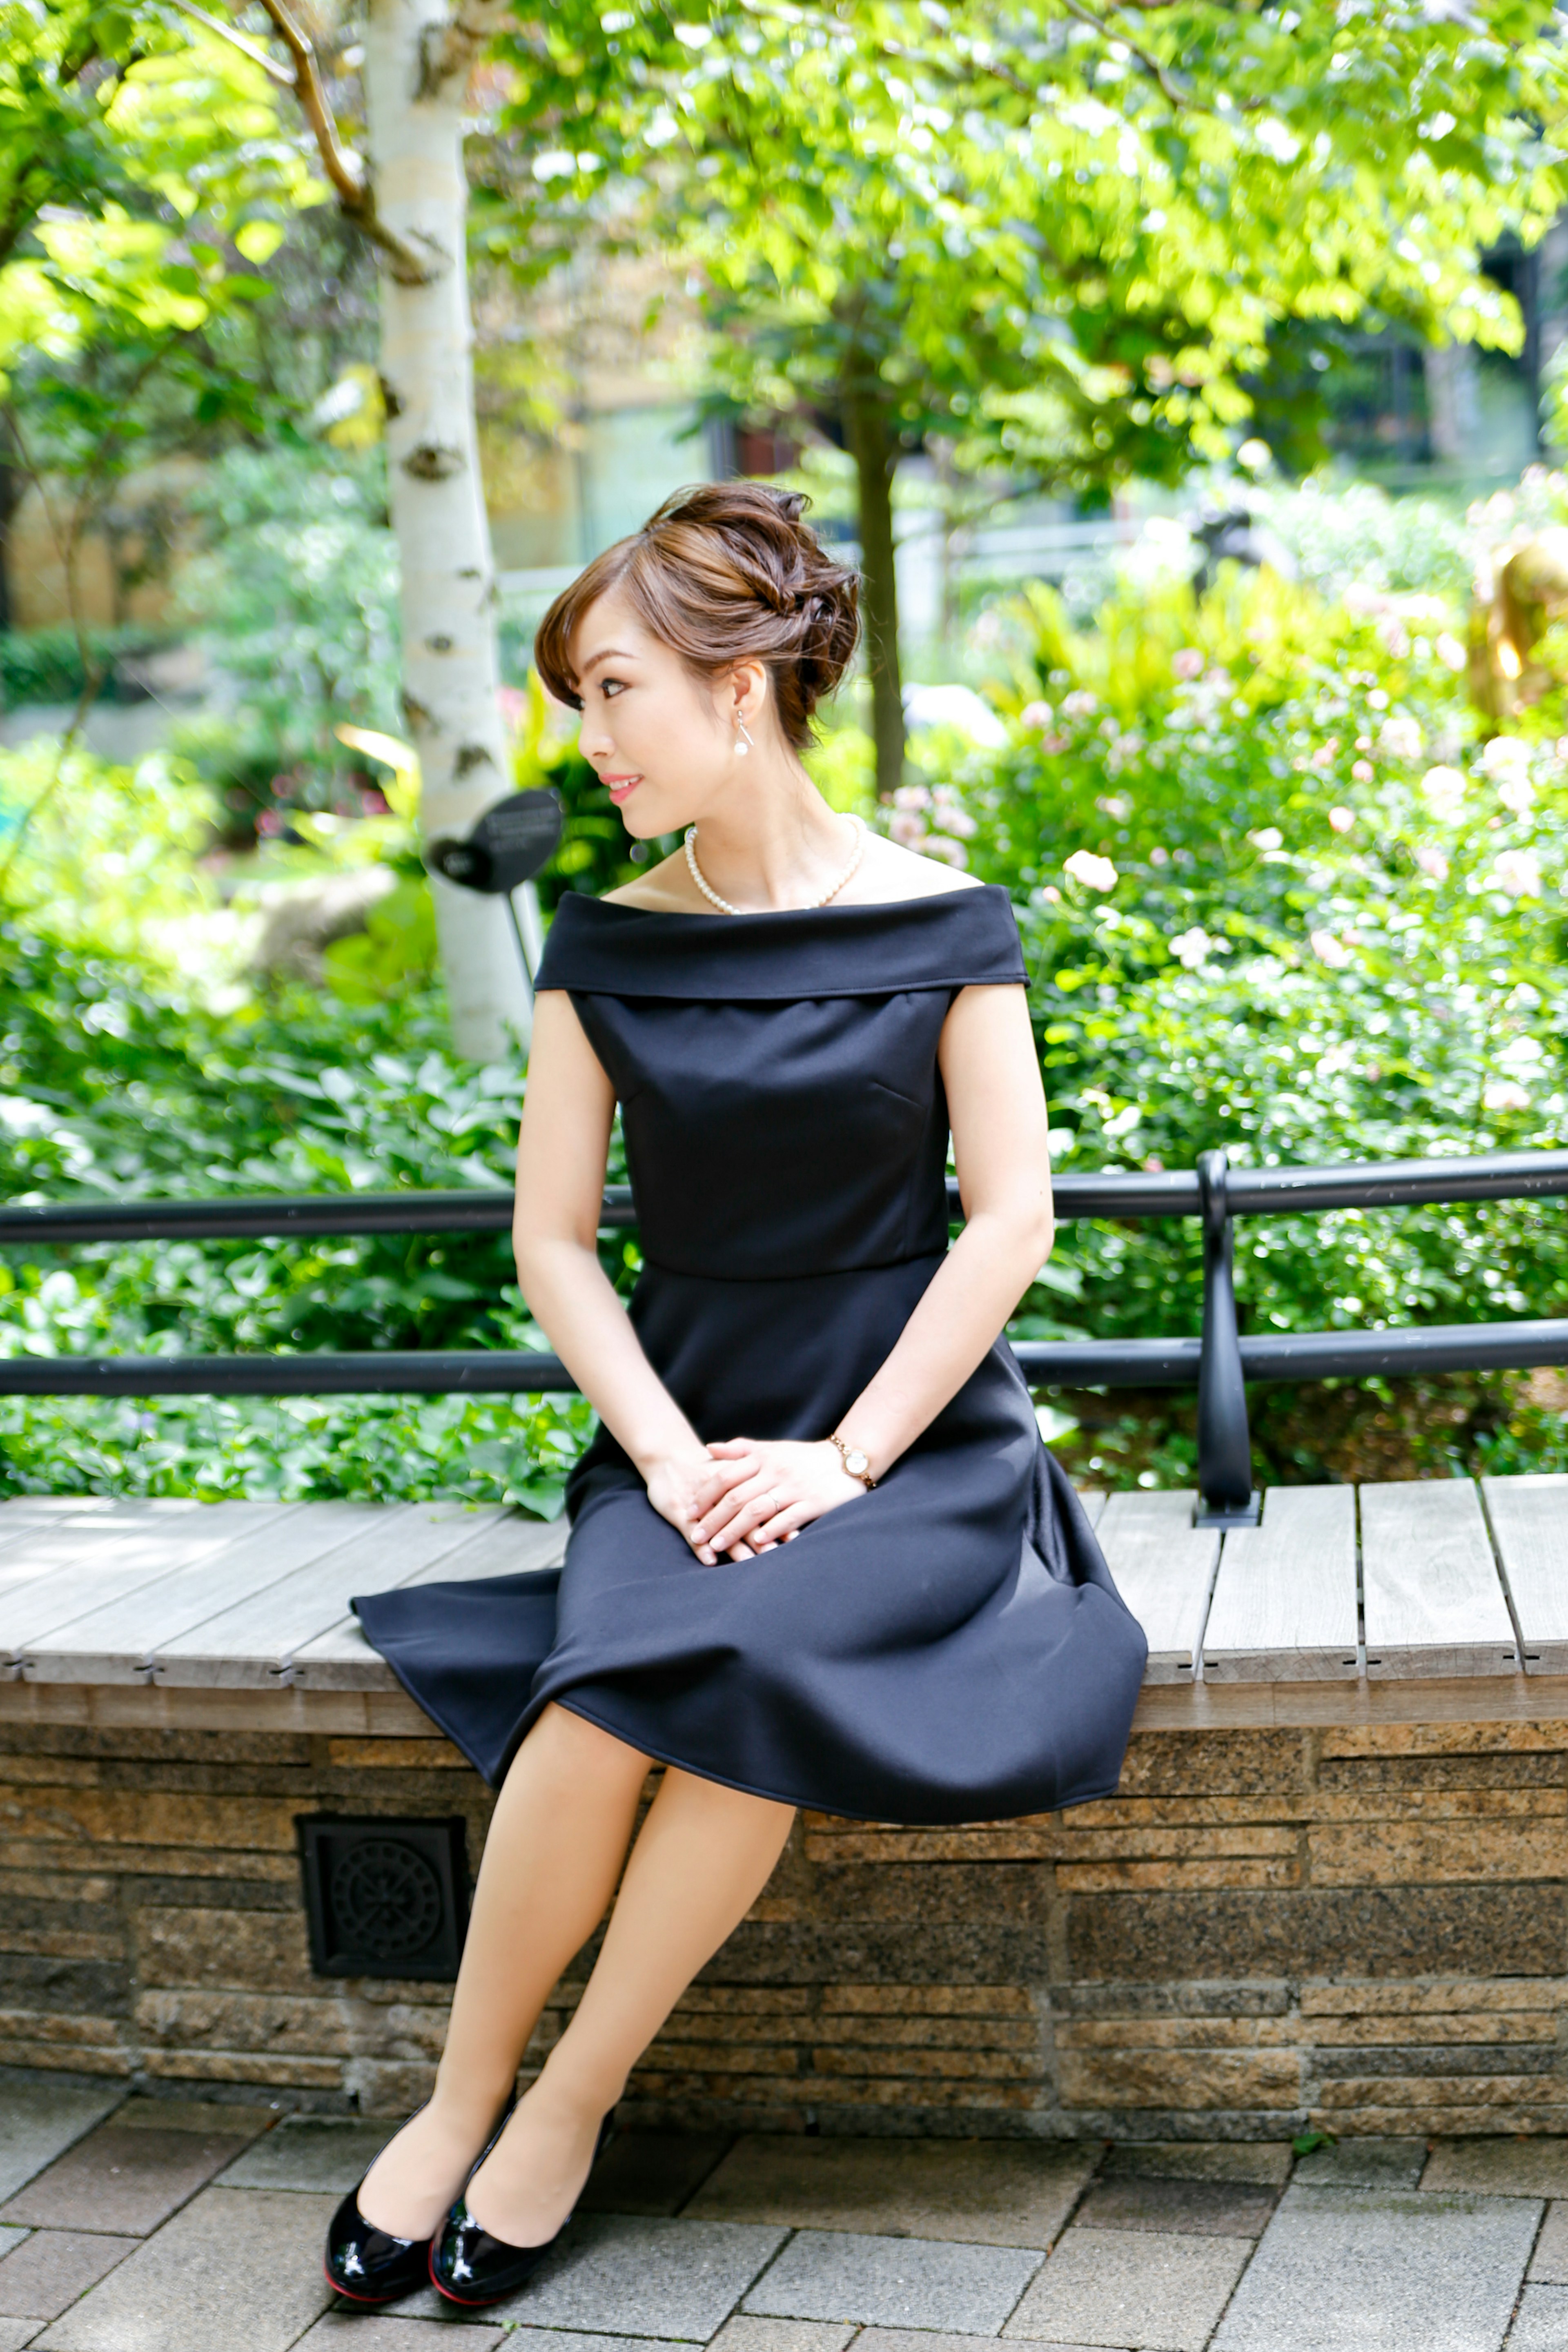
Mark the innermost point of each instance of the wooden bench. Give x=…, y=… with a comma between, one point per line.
x=228, y=1613
x=1329, y=1890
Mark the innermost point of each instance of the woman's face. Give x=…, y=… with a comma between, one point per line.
x=663, y=741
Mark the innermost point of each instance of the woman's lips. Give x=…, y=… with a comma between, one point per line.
x=621, y=788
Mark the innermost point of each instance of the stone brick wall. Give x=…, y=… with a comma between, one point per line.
x=1264, y=1929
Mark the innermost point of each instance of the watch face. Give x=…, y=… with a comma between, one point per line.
x=856, y=1462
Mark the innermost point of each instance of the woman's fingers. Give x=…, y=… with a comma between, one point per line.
x=767, y=1518
x=753, y=1482
x=781, y=1525
x=710, y=1490
x=739, y=1513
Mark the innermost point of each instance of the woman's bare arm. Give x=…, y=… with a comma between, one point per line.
x=997, y=1106
x=560, y=1158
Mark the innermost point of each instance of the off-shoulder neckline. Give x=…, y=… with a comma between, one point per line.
x=727, y=924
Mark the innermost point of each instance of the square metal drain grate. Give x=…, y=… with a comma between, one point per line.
x=384, y=1897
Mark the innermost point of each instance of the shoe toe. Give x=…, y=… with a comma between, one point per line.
x=468, y=2266
x=368, y=2264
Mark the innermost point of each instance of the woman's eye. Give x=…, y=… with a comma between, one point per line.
x=610, y=685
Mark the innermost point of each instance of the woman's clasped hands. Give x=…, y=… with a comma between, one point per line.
x=745, y=1494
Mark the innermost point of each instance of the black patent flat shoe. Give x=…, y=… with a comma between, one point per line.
x=469, y=2267
x=368, y=2265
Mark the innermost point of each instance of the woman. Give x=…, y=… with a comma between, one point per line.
x=820, y=1555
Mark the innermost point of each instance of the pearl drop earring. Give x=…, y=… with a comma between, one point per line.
x=743, y=740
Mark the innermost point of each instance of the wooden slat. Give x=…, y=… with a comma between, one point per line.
x=1284, y=1606
x=1434, y=1602
x=25, y=1517
x=341, y=1659
x=251, y=1644
x=1529, y=1523
x=58, y=1573
x=116, y=1643
x=1164, y=1568
x=24, y=1509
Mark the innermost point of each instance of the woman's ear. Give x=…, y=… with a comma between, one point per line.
x=748, y=695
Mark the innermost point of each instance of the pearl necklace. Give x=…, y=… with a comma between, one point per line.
x=723, y=904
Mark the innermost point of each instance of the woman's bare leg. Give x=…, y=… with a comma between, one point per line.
x=557, y=1841
x=704, y=1855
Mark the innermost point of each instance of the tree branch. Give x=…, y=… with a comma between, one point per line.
x=246, y=48
x=356, y=197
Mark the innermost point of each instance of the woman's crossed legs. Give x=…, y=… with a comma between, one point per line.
x=557, y=1841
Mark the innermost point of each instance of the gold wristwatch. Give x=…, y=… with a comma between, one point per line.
x=858, y=1465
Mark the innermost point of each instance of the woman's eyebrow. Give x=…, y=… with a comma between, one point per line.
x=605, y=653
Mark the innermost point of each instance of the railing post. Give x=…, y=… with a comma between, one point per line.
x=1226, y=1494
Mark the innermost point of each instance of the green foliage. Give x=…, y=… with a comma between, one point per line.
x=145, y=167
x=109, y=1083
x=46, y=664
x=1275, y=893
x=396, y=950
x=297, y=588
x=1064, y=234
x=107, y=856
x=129, y=1066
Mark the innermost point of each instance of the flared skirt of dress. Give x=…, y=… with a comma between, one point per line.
x=947, y=1647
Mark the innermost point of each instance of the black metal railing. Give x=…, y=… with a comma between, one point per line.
x=1218, y=1362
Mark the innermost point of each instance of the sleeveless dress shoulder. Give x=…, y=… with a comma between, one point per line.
x=947, y=1647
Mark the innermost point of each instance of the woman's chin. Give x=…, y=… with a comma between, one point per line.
x=648, y=824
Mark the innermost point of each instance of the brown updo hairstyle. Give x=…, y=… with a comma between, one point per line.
x=723, y=572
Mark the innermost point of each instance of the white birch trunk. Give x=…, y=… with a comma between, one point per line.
x=416, y=66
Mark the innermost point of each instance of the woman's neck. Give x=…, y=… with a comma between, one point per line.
x=772, y=841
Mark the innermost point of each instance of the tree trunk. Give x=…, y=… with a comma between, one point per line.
x=875, y=453
x=416, y=77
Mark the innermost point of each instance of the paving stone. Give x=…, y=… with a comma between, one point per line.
x=124, y=2182
x=909, y=2339
x=9, y=2238
x=45, y=2276
x=15, y=2333
x=254, y=2251
x=621, y=2273
x=380, y=2331
x=1499, y=2167
x=1189, y=2208
x=1365, y=2270
x=1550, y=2260
x=205, y=2116
x=1542, y=2324
x=307, y=2152
x=924, y=2283
x=1363, y=2164
x=653, y=2172
x=38, y=2123
x=552, y=2339
x=986, y=2192
x=744, y=2333
x=1265, y=2162
x=1111, y=2287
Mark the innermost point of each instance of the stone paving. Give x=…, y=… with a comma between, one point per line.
x=139, y=2224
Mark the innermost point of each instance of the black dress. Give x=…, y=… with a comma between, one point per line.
x=947, y=1647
